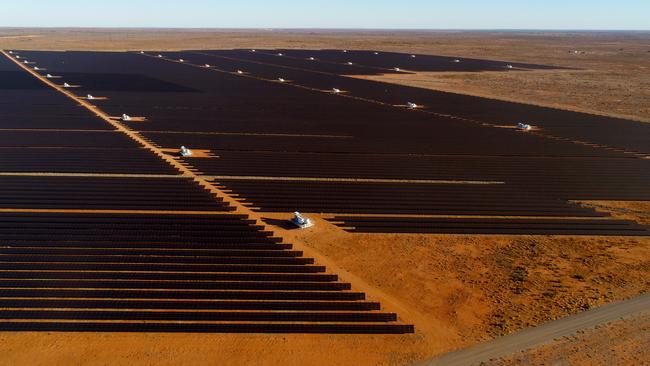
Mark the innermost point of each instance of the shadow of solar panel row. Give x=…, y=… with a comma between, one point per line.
x=399, y=198
x=537, y=226
x=113, y=268
x=83, y=160
x=106, y=193
x=565, y=178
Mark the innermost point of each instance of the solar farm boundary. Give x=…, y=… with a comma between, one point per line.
x=389, y=303
x=539, y=133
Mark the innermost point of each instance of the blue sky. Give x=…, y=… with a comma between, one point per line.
x=427, y=14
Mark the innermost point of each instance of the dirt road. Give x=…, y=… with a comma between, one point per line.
x=536, y=336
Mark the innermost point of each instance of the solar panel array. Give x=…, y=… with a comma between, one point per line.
x=510, y=226
x=98, y=233
x=396, y=198
x=282, y=139
x=111, y=193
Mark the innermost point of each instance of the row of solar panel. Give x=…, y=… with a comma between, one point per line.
x=170, y=270
x=509, y=226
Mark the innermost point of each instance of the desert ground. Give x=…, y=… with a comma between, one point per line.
x=623, y=342
x=456, y=289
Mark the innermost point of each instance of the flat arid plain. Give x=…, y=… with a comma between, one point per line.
x=456, y=288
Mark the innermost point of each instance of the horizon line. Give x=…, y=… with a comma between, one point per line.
x=270, y=29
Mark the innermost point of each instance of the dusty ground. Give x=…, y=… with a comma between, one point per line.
x=613, y=75
x=478, y=286
x=71, y=349
x=623, y=343
x=457, y=290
